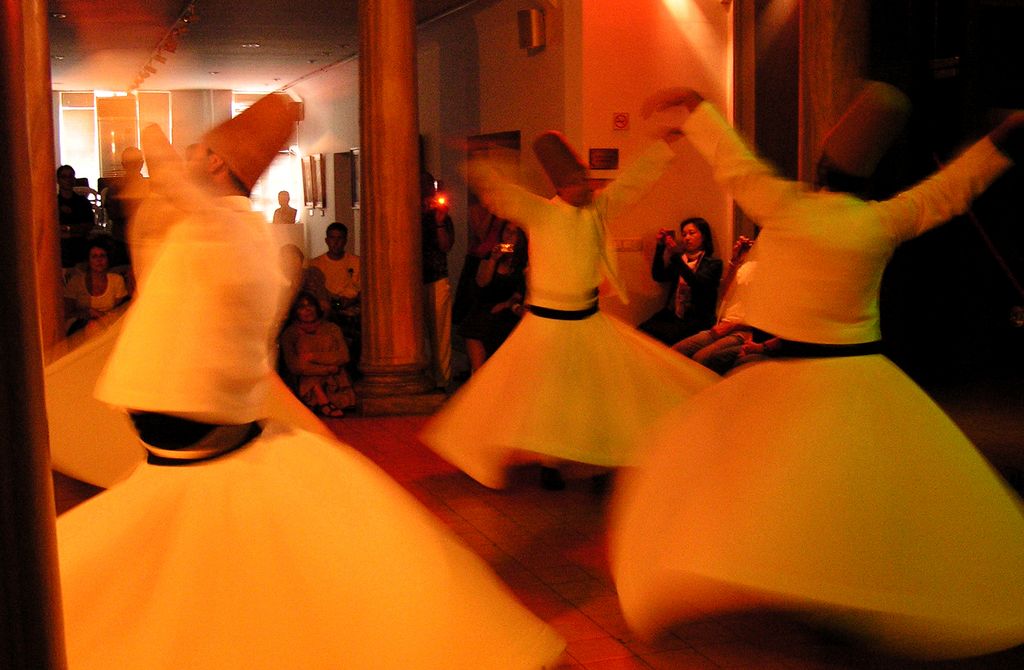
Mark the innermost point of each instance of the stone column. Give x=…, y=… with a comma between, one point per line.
x=394, y=360
x=833, y=62
x=31, y=625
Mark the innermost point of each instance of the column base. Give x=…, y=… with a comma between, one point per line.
x=397, y=390
x=402, y=404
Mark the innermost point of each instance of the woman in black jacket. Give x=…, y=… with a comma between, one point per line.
x=693, y=275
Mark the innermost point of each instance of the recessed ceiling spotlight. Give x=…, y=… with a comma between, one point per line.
x=311, y=61
x=55, y=57
x=60, y=16
x=251, y=45
x=214, y=71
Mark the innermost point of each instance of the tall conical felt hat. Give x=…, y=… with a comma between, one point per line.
x=559, y=160
x=248, y=142
x=868, y=128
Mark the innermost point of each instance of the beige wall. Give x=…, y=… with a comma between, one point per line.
x=631, y=50
x=195, y=112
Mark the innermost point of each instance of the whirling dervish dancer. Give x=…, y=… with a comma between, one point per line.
x=245, y=542
x=824, y=480
x=570, y=383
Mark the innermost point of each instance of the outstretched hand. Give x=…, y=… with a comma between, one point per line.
x=671, y=97
x=168, y=173
x=1008, y=136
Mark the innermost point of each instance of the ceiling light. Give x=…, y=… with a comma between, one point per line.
x=60, y=16
x=55, y=57
x=251, y=45
x=214, y=71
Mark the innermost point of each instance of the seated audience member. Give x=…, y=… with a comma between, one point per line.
x=341, y=281
x=76, y=218
x=718, y=347
x=315, y=354
x=693, y=275
x=92, y=294
x=498, y=306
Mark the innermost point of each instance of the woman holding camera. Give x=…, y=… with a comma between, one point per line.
x=501, y=279
x=693, y=276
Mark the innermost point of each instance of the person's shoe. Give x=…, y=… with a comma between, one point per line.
x=551, y=479
x=330, y=411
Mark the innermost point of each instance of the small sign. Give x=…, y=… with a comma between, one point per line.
x=604, y=159
x=620, y=121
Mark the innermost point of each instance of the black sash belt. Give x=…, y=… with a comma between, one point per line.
x=563, y=314
x=171, y=440
x=794, y=349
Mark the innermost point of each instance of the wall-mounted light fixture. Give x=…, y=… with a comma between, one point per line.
x=531, y=29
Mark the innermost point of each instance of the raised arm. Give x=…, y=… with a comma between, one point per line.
x=949, y=192
x=634, y=180
x=502, y=197
x=750, y=181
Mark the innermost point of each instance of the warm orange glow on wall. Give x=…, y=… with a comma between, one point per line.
x=692, y=10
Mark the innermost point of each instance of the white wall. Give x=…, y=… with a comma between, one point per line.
x=331, y=125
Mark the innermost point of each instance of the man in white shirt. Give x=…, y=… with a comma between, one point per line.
x=340, y=275
x=340, y=269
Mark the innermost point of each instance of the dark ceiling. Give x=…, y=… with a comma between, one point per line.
x=107, y=44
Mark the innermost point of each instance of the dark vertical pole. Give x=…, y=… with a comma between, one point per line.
x=31, y=636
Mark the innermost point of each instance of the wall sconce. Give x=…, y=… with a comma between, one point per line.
x=531, y=29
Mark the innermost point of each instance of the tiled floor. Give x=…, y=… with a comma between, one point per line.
x=550, y=548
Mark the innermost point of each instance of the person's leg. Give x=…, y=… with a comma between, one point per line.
x=477, y=353
x=689, y=346
x=437, y=312
x=721, y=355
x=666, y=327
x=443, y=346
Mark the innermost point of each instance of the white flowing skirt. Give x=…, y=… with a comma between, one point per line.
x=834, y=487
x=292, y=552
x=562, y=390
